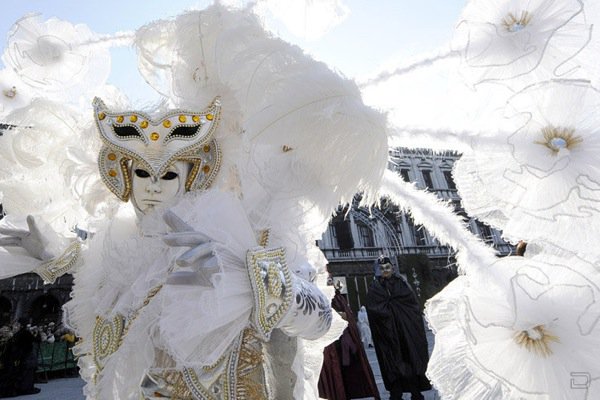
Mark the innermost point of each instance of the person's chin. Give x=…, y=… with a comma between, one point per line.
x=145, y=208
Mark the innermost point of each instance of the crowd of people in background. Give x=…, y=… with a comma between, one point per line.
x=44, y=333
x=20, y=347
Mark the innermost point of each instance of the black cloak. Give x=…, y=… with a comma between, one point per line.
x=398, y=335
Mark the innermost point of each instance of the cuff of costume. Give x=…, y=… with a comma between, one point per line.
x=271, y=282
x=50, y=270
x=309, y=315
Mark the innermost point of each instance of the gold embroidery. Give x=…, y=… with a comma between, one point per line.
x=106, y=338
x=52, y=269
x=265, y=234
x=266, y=267
x=242, y=373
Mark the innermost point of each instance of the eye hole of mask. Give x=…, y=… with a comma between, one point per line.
x=185, y=131
x=126, y=131
x=140, y=173
x=169, y=176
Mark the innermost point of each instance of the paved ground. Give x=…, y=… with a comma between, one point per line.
x=58, y=389
x=429, y=395
x=71, y=388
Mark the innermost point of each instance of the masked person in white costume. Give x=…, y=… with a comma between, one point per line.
x=207, y=291
x=135, y=306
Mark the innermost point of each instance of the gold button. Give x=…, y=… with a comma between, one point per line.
x=133, y=118
x=120, y=119
x=112, y=173
x=154, y=136
x=195, y=118
x=112, y=156
x=167, y=123
x=144, y=124
x=209, y=117
x=182, y=118
x=101, y=116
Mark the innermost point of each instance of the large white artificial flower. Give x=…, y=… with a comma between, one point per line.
x=56, y=56
x=35, y=154
x=519, y=334
x=545, y=173
x=504, y=39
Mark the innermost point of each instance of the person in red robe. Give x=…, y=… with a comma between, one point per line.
x=346, y=372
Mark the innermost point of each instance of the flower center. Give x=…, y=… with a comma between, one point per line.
x=512, y=23
x=536, y=340
x=558, y=138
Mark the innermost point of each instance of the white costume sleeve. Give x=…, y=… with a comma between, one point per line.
x=16, y=260
x=309, y=315
x=252, y=286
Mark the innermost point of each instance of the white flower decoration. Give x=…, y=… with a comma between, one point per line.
x=520, y=334
x=545, y=171
x=56, y=56
x=504, y=39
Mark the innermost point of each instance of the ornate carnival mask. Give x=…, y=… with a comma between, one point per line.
x=156, y=143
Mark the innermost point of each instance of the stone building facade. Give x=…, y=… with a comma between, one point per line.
x=28, y=297
x=356, y=237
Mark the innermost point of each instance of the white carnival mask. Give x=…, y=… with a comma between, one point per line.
x=155, y=144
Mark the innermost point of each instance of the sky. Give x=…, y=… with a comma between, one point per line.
x=374, y=33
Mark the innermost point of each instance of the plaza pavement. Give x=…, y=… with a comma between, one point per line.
x=71, y=388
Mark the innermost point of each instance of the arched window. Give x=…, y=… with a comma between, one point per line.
x=45, y=309
x=366, y=234
x=341, y=232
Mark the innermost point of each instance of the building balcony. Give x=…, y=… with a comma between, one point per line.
x=446, y=194
x=371, y=253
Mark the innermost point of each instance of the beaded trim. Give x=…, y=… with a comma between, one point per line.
x=106, y=338
x=272, y=288
x=51, y=270
x=265, y=235
x=116, y=333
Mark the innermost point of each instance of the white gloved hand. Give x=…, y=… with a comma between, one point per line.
x=198, y=264
x=32, y=240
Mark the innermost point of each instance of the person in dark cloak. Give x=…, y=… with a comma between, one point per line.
x=346, y=372
x=398, y=333
x=20, y=363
